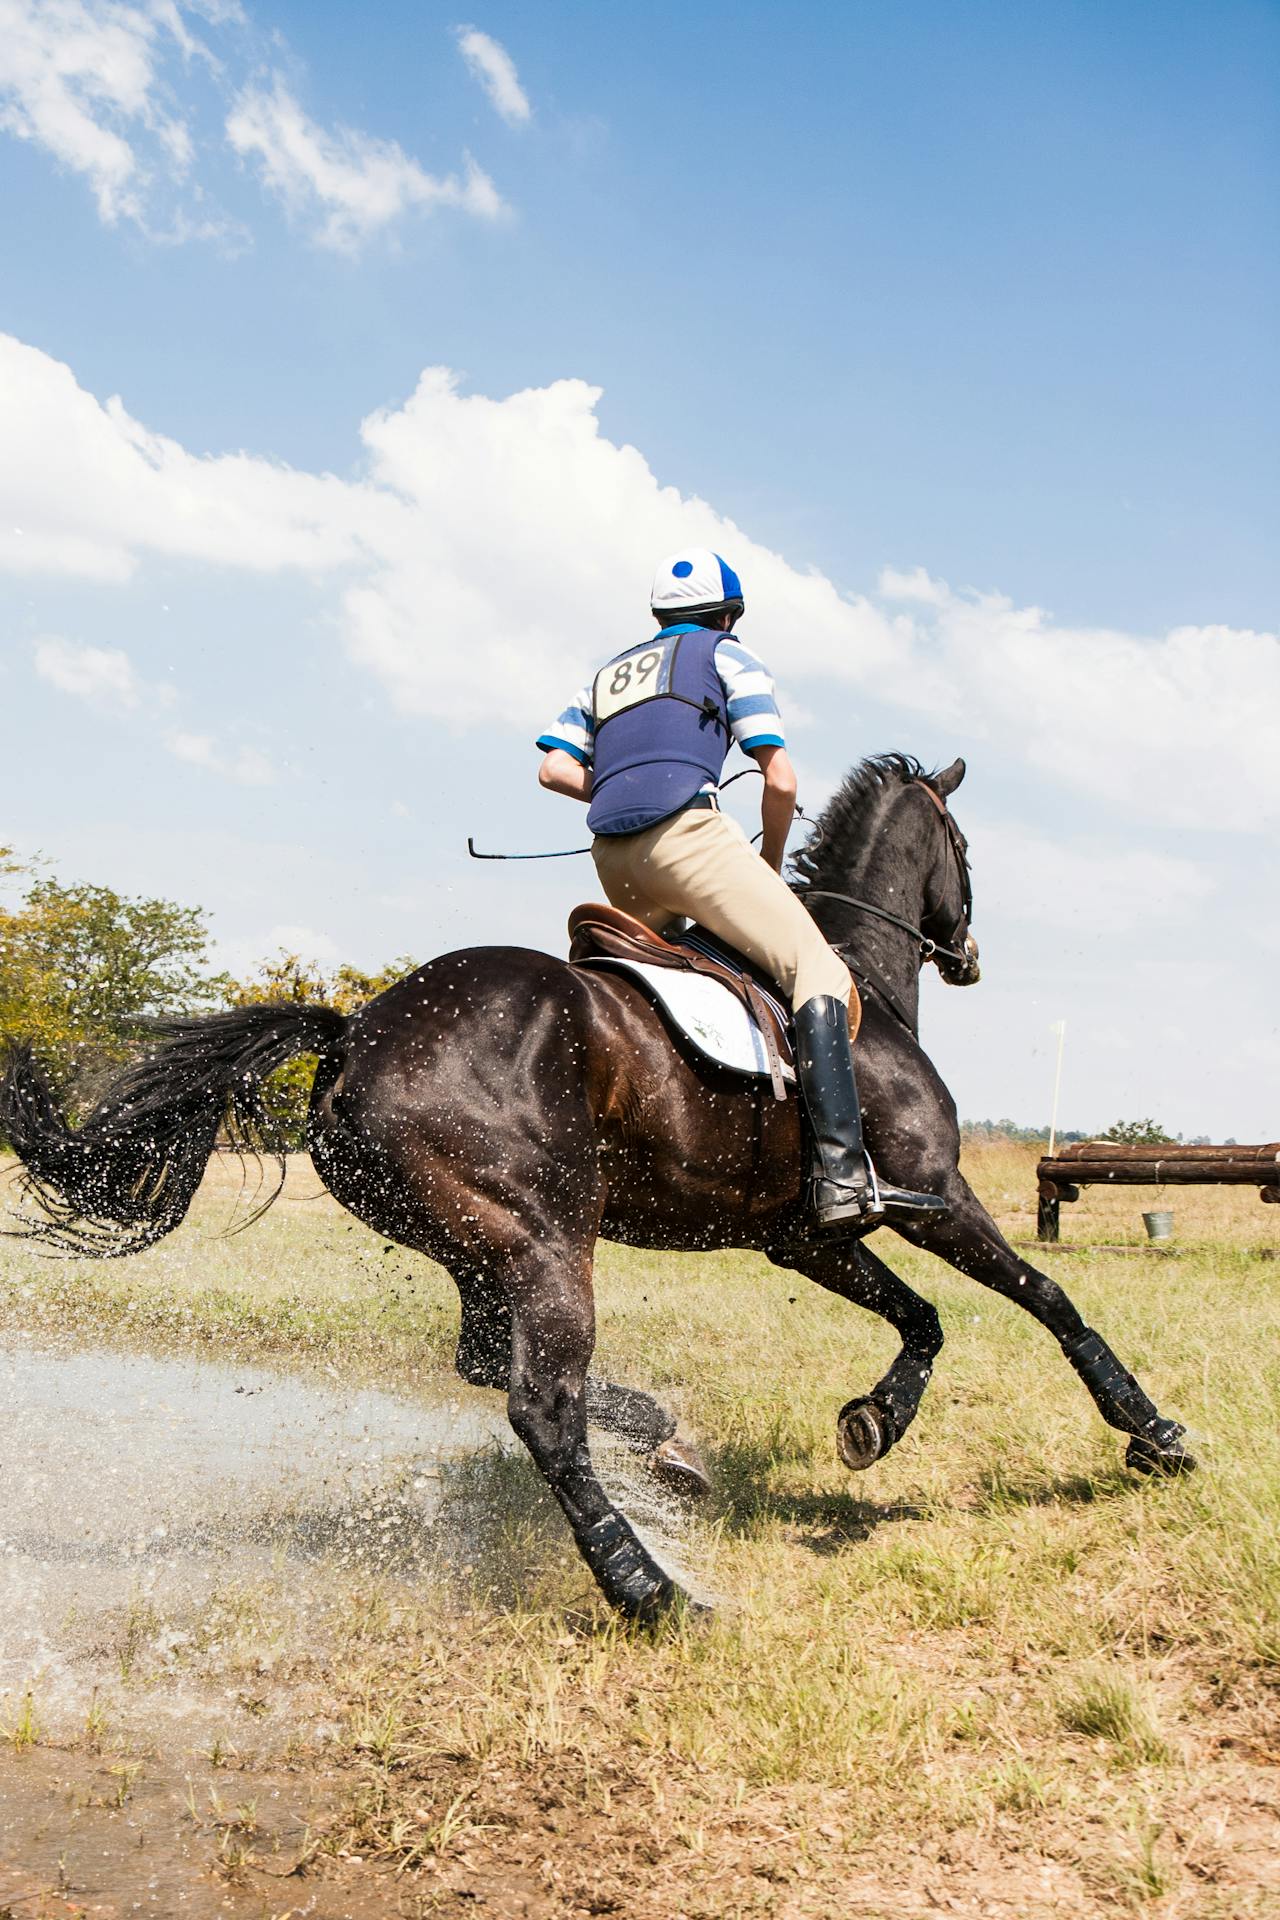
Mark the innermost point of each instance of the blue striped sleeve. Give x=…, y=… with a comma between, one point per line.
x=574, y=731
x=754, y=719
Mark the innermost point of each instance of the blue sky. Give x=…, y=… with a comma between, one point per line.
x=933, y=316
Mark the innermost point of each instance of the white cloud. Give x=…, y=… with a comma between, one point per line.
x=103, y=676
x=492, y=546
x=1041, y=880
x=915, y=586
x=356, y=184
x=247, y=767
x=104, y=87
x=494, y=68
x=1143, y=722
x=107, y=679
x=86, y=491
x=242, y=958
x=81, y=78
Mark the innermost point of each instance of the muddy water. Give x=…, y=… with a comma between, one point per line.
x=133, y=1488
x=186, y=1547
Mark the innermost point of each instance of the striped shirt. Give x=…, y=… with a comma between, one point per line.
x=754, y=720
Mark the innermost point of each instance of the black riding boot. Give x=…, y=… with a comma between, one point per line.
x=843, y=1183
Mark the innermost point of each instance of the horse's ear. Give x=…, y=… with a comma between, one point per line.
x=949, y=779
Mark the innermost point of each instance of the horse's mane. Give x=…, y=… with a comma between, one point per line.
x=841, y=830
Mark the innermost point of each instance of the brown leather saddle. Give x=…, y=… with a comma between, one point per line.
x=598, y=934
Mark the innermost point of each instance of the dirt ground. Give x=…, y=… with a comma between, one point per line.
x=996, y=1676
x=113, y=1837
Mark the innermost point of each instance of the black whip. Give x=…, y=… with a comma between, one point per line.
x=571, y=853
x=561, y=853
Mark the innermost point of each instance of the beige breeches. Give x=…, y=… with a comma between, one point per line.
x=700, y=863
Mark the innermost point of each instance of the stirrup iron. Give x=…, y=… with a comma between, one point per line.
x=872, y=1203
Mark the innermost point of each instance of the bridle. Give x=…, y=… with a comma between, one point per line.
x=929, y=949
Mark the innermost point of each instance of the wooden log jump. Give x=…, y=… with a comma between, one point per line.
x=1089, y=1163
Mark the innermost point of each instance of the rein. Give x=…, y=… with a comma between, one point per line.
x=928, y=948
x=858, y=968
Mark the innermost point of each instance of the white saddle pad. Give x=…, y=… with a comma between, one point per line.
x=706, y=1012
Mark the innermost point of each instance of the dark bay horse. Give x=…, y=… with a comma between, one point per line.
x=498, y=1110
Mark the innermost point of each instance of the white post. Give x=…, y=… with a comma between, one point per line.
x=1060, y=1028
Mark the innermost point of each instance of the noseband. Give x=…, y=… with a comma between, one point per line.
x=929, y=949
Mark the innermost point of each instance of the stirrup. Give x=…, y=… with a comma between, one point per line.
x=857, y=1202
x=903, y=1200
x=874, y=1201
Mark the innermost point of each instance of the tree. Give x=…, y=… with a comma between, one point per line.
x=1011, y=1130
x=1137, y=1133
x=80, y=966
x=287, y=1093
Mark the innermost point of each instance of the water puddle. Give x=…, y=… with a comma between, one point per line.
x=192, y=1553
x=133, y=1488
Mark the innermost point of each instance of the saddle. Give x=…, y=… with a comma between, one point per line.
x=599, y=934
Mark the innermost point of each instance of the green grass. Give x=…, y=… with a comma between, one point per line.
x=997, y=1634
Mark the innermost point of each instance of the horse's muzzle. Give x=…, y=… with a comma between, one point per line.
x=966, y=973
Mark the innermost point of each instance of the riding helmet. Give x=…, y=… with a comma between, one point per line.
x=696, y=581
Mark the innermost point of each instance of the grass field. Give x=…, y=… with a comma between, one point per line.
x=996, y=1675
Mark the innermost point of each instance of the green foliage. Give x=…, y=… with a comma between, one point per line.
x=291, y=980
x=80, y=965
x=1137, y=1133
x=1010, y=1130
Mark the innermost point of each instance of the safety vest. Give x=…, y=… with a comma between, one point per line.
x=661, y=729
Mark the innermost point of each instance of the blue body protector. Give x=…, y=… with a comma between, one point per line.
x=661, y=729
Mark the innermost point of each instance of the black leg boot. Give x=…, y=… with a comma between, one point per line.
x=843, y=1184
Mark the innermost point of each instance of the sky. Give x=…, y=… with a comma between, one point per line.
x=356, y=367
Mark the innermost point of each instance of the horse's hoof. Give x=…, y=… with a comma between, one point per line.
x=1143, y=1456
x=678, y=1465
x=864, y=1434
x=692, y=1613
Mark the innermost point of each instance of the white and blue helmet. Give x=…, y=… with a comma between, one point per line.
x=695, y=580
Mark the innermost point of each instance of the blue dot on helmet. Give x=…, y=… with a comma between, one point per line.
x=682, y=569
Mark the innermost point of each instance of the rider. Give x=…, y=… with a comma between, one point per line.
x=645, y=744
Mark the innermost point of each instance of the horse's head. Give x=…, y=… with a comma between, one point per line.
x=886, y=851
x=948, y=900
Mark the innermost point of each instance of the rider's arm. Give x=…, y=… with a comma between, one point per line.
x=561, y=773
x=756, y=725
x=778, y=804
x=567, y=747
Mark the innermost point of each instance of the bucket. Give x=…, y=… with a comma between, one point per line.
x=1159, y=1226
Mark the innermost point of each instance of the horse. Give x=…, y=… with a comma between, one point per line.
x=499, y=1109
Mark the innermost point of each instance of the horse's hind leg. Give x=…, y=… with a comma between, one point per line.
x=484, y=1337
x=868, y=1426
x=553, y=1331
x=484, y=1359
x=968, y=1239
x=648, y=1429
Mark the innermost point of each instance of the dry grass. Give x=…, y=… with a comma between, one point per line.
x=997, y=1675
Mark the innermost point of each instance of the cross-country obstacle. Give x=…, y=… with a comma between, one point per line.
x=1095, y=1163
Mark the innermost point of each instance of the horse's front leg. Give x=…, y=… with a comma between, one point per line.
x=868, y=1426
x=552, y=1335
x=968, y=1239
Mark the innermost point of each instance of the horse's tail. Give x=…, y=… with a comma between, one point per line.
x=126, y=1177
